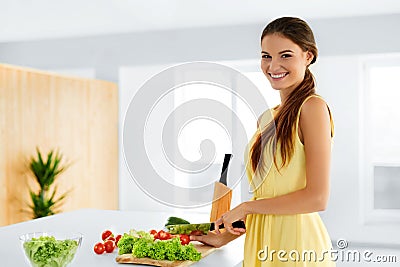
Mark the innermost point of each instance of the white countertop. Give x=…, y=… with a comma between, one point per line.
x=91, y=223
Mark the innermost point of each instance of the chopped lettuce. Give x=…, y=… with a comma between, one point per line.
x=46, y=251
x=142, y=245
x=125, y=244
x=165, y=250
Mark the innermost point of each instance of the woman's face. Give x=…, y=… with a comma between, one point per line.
x=283, y=62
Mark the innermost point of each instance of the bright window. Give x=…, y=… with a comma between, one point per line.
x=381, y=143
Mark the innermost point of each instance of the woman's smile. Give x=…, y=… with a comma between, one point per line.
x=278, y=76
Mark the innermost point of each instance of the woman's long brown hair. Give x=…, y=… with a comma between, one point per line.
x=281, y=130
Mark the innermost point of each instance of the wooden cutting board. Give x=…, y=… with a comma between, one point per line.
x=128, y=258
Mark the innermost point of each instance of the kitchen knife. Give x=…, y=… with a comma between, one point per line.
x=203, y=227
x=224, y=172
x=222, y=194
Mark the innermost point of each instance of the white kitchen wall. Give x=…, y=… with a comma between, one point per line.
x=107, y=53
x=339, y=80
x=131, y=197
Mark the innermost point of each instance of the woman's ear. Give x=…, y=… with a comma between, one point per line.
x=309, y=57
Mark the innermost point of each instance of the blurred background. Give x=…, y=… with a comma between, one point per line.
x=126, y=42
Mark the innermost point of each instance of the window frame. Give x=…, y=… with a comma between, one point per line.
x=370, y=215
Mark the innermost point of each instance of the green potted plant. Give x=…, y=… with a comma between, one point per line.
x=45, y=173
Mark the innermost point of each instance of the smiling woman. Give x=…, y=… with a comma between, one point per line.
x=288, y=158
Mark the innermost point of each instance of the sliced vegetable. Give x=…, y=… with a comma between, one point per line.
x=185, y=239
x=140, y=234
x=176, y=220
x=106, y=234
x=162, y=235
x=153, y=232
x=188, y=228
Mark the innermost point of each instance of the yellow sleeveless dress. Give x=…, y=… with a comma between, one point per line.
x=295, y=234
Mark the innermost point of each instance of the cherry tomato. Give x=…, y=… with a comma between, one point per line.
x=185, y=239
x=106, y=234
x=156, y=236
x=109, y=246
x=153, y=232
x=99, y=248
x=162, y=235
x=117, y=239
x=110, y=238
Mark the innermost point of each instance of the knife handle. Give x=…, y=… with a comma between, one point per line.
x=237, y=224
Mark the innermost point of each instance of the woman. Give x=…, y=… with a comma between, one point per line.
x=289, y=160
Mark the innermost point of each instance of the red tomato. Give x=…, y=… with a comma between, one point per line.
x=162, y=235
x=109, y=246
x=106, y=234
x=153, y=232
x=99, y=248
x=110, y=238
x=117, y=239
x=156, y=236
x=185, y=239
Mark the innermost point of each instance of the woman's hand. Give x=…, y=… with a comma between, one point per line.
x=237, y=214
x=215, y=240
x=211, y=239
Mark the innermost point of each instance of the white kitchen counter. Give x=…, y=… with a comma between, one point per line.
x=91, y=223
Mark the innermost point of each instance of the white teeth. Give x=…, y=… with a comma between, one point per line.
x=278, y=75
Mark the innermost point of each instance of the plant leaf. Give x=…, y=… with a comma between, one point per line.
x=46, y=173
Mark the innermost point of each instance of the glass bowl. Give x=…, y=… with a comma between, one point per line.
x=50, y=249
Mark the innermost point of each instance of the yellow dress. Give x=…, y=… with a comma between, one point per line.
x=297, y=235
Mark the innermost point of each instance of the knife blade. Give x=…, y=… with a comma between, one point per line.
x=203, y=227
x=224, y=171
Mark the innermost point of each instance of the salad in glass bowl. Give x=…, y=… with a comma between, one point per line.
x=50, y=249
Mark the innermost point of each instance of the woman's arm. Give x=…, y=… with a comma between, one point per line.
x=315, y=129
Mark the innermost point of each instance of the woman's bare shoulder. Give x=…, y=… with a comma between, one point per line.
x=314, y=118
x=314, y=106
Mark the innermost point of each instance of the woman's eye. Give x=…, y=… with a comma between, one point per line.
x=286, y=55
x=265, y=56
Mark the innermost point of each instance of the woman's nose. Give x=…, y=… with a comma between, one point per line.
x=274, y=65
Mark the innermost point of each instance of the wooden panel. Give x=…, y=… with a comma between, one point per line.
x=77, y=116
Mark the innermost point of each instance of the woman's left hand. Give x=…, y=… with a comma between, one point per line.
x=237, y=214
